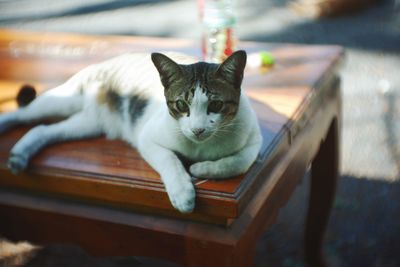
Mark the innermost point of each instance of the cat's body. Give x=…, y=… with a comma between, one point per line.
x=206, y=120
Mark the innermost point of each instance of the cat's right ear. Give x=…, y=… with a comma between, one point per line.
x=168, y=69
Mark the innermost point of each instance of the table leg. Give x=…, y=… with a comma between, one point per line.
x=324, y=173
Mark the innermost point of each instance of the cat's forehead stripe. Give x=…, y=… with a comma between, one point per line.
x=200, y=73
x=201, y=78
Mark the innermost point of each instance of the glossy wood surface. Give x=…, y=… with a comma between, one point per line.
x=108, y=231
x=69, y=187
x=111, y=172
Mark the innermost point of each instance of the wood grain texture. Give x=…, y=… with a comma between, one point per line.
x=48, y=220
x=101, y=195
x=112, y=172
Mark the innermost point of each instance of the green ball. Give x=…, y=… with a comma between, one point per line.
x=267, y=58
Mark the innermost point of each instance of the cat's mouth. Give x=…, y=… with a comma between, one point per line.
x=199, y=138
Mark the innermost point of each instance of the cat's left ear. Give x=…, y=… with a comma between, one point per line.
x=233, y=67
x=168, y=69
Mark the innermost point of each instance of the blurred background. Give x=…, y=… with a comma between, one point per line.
x=364, y=229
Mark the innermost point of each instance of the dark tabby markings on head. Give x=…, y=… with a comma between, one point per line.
x=230, y=108
x=174, y=111
x=203, y=76
x=218, y=81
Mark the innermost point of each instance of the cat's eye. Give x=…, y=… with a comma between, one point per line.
x=215, y=106
x=182, y=106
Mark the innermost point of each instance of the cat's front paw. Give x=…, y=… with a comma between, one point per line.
x=205, y=169
x=17, y=163
x=5, y=124
x=183, y=197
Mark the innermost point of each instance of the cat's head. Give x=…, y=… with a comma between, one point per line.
x=202, y=97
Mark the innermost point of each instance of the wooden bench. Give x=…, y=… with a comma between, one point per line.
x=101, y=195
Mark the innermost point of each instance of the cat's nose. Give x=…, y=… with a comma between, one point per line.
x=198, y=131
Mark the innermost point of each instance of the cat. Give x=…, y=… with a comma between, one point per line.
x=168, y=106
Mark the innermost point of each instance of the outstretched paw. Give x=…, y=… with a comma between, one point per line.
x=17, y=163
x=183, y=199
x=205, y=169
x=5, y=124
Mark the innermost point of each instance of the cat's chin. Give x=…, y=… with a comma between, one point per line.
x=200, y=139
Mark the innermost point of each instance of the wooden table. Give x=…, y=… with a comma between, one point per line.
x=101, y=195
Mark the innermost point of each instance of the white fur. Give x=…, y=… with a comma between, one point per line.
x=199, y=119
x=223, y=150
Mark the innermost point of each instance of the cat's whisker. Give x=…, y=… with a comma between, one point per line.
x=231, y=127
x=229, y=132
x=231, y=123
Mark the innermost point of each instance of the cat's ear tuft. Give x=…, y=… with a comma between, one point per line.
x=233, y=67
x=168, y=69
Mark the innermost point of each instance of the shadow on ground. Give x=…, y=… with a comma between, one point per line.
x=364, y=228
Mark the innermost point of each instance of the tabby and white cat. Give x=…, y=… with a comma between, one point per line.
x=195, y=111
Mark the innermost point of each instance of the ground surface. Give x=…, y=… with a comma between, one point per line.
x=364, y=229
